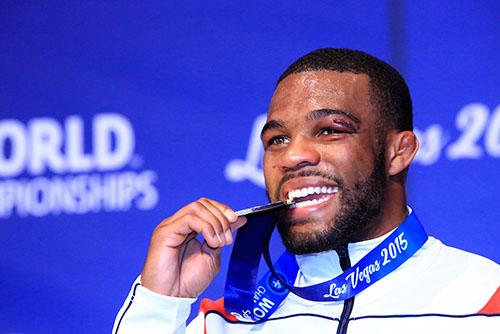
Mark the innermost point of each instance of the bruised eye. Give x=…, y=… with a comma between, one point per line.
x=338, y=129
x=329, y=131
x=332, y=131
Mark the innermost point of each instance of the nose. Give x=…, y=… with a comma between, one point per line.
x=300, y=153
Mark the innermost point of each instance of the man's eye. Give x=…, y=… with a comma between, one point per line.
x=330, y=131
x=278, y=140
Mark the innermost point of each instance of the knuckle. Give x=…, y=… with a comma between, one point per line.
x=197, y=205
x=161, y=226
x=220, y=205
x=224, y=206
x=164, y=222
x=159, y=233
x=190, y=217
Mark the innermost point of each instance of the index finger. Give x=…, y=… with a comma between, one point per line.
x=226, y=210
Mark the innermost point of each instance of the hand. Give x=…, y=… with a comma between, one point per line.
x=178, y=264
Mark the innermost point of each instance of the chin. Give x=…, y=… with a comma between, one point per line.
x=308, y=236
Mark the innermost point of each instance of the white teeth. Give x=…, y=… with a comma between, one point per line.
x=311, y=202
x=303, y=192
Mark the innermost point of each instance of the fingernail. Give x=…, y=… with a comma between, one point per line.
x=230, y=215
x=241, y=221
x=229, y=237
x=238, y=223
x=219, y=238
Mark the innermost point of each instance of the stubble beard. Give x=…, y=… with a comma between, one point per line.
x=360, y=206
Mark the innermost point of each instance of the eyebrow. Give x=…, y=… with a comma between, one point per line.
x=312, y=116
x=273, y=124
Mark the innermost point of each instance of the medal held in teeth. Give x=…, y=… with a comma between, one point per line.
x=301, y=196
x=293, y=200
x=264, y=208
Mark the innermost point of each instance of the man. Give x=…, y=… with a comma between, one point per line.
x=339, y=141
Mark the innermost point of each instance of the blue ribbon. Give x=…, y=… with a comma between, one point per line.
x=250, y=300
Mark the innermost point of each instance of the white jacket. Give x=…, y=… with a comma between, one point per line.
x=439, y=290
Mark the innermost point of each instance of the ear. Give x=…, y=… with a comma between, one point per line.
x=401, y=148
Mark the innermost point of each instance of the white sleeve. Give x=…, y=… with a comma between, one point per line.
x=145, y=311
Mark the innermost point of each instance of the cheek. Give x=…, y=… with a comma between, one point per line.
x=270, y=169
x=350, y=162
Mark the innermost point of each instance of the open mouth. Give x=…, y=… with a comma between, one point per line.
x=310, y=196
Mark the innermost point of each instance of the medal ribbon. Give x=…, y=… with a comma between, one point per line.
x=250, y=300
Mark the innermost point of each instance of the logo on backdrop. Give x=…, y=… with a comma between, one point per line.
x=48, y=167
x=251, y=168
x=479, y=136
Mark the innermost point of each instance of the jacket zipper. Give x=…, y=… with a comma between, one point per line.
x=345, y=263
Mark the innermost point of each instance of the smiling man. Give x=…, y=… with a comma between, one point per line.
x=324, y=131
x=338, y=141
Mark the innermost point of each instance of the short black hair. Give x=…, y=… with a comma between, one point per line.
x=389, y=92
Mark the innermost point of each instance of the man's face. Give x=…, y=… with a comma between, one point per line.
x=322, y=147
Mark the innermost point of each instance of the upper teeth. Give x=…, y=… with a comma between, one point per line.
x=298, y=193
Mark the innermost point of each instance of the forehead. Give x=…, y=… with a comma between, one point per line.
x=302, y=92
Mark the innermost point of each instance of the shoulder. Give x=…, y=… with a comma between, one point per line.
x=462, y=280
x=467, y=263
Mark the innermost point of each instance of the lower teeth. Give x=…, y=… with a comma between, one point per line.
x=311, y=202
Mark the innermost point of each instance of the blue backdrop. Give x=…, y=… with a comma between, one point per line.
x=113, y=115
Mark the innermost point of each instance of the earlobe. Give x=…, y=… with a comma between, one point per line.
x=401, y=149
